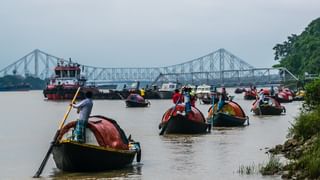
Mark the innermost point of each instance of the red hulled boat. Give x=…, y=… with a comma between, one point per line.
x=135, y=100
x=269, y=106
x=176, y=121
x=250, y=94
x=285, y=95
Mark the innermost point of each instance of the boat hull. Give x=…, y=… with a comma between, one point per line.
x=180, y=124
x=76, y=157
x=62, y=94
x=225, y=120
x=239, y=90
x=136, y=104
x=284, y=100
x=268, y=110
x=165, y=94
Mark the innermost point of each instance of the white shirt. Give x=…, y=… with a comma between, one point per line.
x=85, y=107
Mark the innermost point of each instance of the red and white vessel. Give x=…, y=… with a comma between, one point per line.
x=66, y=81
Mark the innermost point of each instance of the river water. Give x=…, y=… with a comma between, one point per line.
x=28, y=124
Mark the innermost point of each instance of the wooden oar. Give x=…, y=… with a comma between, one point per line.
x=54, y=141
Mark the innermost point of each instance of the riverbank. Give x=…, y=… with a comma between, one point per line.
x=302, y=149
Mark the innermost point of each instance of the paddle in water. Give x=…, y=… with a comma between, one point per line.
x=55, y=138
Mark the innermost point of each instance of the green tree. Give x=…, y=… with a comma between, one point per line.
x=301, y=53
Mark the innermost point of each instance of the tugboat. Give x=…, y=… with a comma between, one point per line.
x=66, y=81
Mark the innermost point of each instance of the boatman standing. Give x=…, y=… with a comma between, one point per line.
x=84, y=108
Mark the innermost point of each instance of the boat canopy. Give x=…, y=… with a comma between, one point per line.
x=135, y=98
x=106, y=131
x=231, y=108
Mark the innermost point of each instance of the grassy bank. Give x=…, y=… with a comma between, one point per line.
x=303, y=146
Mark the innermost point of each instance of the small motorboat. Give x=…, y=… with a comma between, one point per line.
x=106, y=147
x=135, y=100
x=269, y=106
x=230, y=115
x=176, y=121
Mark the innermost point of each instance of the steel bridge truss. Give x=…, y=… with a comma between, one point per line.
x=219, y=66
x=256, y=76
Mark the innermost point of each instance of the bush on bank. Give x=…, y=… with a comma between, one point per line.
x=312, y=98
x=303, y=149
x=309, y=162
x=306, y=125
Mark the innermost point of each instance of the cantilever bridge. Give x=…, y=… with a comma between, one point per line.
x=219, y=67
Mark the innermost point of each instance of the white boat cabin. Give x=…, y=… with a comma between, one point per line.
x=203, y=89
x=168, y=87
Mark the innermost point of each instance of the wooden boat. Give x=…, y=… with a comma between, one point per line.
x=299, y=96
x=250, y=95
x=135, y=100
x=239, y=90
x=175, y=121
x=106, y=147
x=207, y=99
x=230, y=115
x=285, y=95
x=270, y=107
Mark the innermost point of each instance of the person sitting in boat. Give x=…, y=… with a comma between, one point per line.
x=177, y=97
x=221, y=102
x=253, y=89
x=84, y=108
x=224, y=94
x=187, y=102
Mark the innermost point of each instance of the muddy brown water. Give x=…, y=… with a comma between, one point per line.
x=28, y=123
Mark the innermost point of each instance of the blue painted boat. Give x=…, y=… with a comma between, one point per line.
x=230, y=115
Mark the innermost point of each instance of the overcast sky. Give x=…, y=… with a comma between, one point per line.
x=149, y=33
